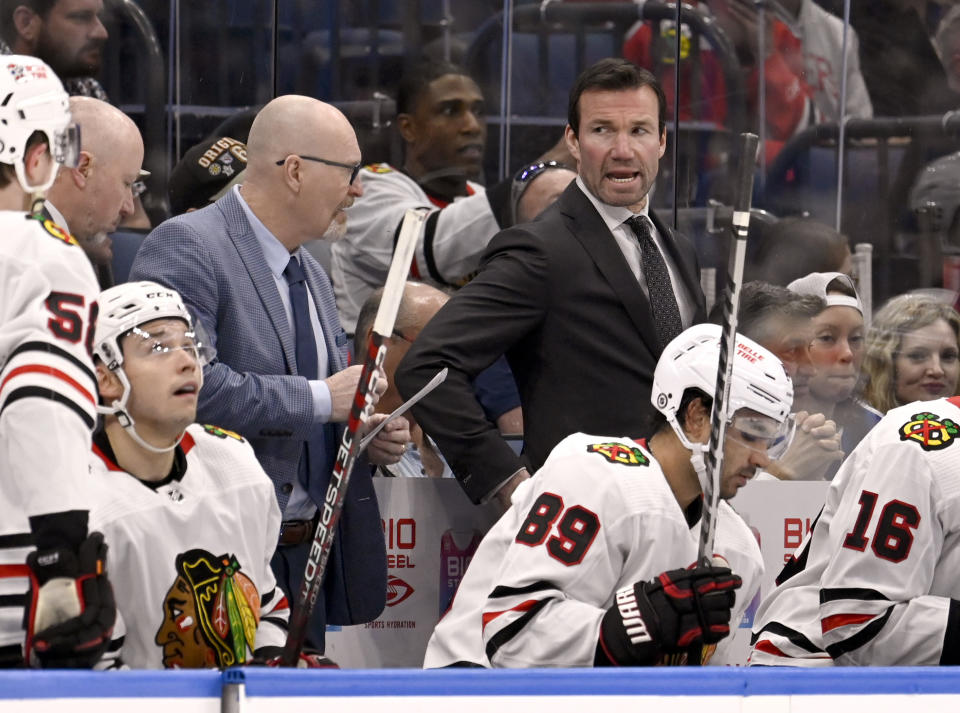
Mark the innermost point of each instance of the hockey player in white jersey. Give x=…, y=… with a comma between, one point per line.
x=440, y=117
x=875, y=581
x=190, y=515
x=592, y=565
x=47, y=393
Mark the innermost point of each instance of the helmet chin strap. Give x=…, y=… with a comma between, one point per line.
x=119, y=409
x=697, y=451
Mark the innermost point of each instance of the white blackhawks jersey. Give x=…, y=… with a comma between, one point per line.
x=448, y=253
x=48, y=393
x=598, y=516
x=872, y=583
x=189, y=557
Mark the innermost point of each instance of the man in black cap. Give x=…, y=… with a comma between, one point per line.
x=206, y=172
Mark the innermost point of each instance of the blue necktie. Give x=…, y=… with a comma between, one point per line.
x=306, y=355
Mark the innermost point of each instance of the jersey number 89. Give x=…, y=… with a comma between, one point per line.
x=575, y=531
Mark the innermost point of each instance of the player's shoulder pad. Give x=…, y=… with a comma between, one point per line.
x=221, y=433
x=52, y=229
x=379, y=168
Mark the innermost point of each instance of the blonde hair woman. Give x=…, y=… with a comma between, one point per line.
x=912, y=352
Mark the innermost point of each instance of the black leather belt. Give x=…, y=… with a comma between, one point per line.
x=296, y=532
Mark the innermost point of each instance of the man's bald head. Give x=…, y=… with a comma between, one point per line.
x=104, y=129
x=294, y=124
x=96, y=195
x=289, y=188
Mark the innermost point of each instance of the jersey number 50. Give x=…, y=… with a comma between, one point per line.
x=576, y=529
x=67, y=322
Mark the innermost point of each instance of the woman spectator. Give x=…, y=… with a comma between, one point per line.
x=912, y=352
x=836, y=353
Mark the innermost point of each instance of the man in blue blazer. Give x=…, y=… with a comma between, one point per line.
x=240, y=267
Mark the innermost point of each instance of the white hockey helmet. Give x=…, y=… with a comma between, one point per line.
x=124, y=309
x=32, y=99
x=759, y=383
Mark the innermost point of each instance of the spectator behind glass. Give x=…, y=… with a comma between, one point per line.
x=94, y=197
x=911, y=352
x=837, y=354
x=947, y=44
x=440, y=118
x=781, y=321
x=803, y=65
x=66, y=34
x=793, y=247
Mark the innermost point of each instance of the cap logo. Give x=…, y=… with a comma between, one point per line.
x=218, y=158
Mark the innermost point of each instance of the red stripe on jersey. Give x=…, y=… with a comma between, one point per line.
x=955, y=400
x=766, y=647
x=106, y=460
x=523, y=606
x=14, y=570
x=838, y=620
x=187, y=443
x=281, y=605
x=49, y=371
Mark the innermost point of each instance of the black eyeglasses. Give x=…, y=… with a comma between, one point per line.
x=354, y=167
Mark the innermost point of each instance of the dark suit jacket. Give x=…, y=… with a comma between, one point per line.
x=558, y=297
x=212, y=258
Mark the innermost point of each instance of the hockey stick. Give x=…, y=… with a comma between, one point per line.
x=728, y=335
x=332, y=506
x=731, y=303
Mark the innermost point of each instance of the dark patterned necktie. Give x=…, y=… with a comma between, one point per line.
x=663, y=303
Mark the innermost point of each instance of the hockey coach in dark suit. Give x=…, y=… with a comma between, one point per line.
x=582, y=300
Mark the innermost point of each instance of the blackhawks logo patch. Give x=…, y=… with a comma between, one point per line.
x=378, y=168
x=930, y=431
x=221, y=432
x=210, y=613
x=53, y=229
x=619, y=453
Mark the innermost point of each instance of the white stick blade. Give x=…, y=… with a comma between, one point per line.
x=399, y=268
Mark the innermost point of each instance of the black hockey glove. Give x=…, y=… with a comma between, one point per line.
x=673, y=612
x=71, y=612
x=272, y=656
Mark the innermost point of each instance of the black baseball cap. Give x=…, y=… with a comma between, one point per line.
x=206, y=172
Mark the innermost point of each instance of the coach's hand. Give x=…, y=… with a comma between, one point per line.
x=343, y=386
x=71, y=612
x=677, y=610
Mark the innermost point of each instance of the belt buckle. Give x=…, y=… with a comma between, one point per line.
x=296, y=530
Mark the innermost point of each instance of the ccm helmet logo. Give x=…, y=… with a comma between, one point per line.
x=151, y=295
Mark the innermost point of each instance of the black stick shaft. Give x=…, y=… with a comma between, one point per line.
x=721, y=397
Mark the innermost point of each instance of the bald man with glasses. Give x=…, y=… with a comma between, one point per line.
x=281, y=378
